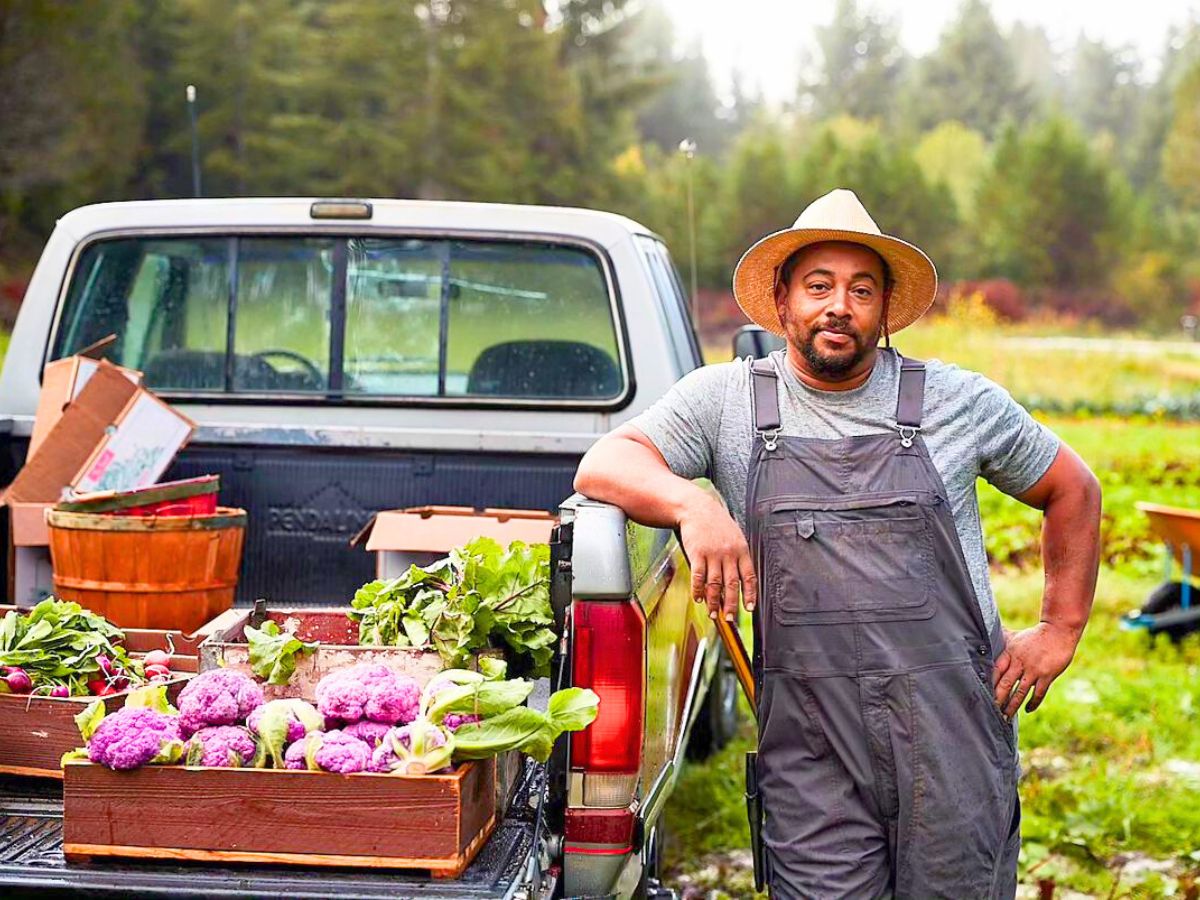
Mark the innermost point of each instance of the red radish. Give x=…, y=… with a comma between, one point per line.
x=156, y=658
x=106, y=690
x=60, y=690
x=96, y=685
x=18, y=680
x=157, y=672
x=105, y=664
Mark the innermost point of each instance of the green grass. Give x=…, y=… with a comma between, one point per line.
x=1157, y=462
x=1111, y=790
x=1119, y=369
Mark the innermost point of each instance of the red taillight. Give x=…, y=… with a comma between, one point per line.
x=599, y=831
x=609, y=651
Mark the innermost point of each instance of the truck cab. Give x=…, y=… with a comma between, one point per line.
x=342, y=357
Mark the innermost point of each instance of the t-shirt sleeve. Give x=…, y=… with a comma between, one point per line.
x=1015, y=450
x=683, y=424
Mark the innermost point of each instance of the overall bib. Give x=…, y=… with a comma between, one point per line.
x=885, y=768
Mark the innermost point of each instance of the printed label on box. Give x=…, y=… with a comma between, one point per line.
x=138, y=450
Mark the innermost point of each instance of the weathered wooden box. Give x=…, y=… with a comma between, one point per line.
x=434, y=822
x=338, y=648
x=36, y=731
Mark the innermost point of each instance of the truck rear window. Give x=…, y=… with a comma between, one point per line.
x=357, y=317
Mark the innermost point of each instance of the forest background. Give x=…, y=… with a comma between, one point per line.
x=1056, y=181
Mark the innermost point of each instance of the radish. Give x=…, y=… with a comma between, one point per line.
x=96, y=685
x=156, y=658
x=158, y=673
x=17, y=680
x=105, y=664
x=60, y=690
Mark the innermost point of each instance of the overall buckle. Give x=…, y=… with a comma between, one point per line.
x=907, y=434
x=770, y=438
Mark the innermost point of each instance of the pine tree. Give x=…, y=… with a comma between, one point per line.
x=861, y=64
x=970, y=77
x=1181, y=152
x=1045, y=210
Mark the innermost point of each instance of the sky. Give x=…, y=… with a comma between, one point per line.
x=766, y=40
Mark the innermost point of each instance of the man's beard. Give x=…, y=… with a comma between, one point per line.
x=837, y=365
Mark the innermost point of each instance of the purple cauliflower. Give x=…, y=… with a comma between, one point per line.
x=218, y=697
x=418, y=748
x=224, y=746
x=279, y=723
x=135, y=736
x=452, y=721
x=335, y=751
x=294, y=758
x=367, y=731
x=369, y=691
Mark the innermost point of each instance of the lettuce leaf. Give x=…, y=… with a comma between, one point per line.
x=273, y=652
x=89, y=720
x=151, y=696
x=528, y=730
x=484, y=698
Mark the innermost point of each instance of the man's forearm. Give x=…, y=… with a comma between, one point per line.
x=1070, y=555
x=628, y=474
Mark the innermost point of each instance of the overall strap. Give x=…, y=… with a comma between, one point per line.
x=764, y=393
x=910, y=398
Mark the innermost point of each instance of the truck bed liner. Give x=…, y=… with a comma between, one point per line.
x=31, y=858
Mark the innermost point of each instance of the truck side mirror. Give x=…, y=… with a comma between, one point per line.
x=751, y=340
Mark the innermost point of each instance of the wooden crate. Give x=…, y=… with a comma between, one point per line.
x=338, y=648
x=36, y=731
x=433, y=822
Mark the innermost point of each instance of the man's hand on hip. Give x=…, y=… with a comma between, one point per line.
x=1031, y=660
x=719, y=556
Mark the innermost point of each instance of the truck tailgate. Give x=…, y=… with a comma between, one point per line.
x=31, y=858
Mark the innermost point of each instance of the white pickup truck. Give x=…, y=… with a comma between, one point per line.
x=342, y=357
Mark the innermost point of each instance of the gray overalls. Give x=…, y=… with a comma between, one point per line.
x=885, y=768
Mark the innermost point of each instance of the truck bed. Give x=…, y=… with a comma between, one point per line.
x=31, y=859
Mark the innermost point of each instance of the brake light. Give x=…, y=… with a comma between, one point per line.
x=609, y=651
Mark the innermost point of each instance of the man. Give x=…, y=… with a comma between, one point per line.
x=886, y=685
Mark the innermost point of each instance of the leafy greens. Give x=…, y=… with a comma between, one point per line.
x=481, y=595
x=58, y=643
x=273, y=652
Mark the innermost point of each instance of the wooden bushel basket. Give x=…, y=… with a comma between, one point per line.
x=148, y=572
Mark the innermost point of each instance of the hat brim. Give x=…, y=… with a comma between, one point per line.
x=913, y=274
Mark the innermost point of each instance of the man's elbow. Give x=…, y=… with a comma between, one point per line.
x=589, y=477
x=584, y=479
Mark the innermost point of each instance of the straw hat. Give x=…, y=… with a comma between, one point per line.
x=838, y=216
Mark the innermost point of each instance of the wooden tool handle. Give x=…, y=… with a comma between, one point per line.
x=741, y=659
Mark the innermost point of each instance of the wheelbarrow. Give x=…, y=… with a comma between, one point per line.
x=1175, y=607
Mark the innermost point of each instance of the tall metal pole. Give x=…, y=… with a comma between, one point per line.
x=688, y=148
x=191, y=102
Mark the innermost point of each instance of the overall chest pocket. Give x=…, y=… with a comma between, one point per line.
x=867, y=560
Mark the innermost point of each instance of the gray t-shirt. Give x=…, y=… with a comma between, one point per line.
x=704, y=428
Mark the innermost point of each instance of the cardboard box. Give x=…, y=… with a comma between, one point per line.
x=422, y=534
x=32, y=575
x=62, y=381
x=114, y=436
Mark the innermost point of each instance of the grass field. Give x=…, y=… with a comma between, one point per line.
x=1111, y=787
